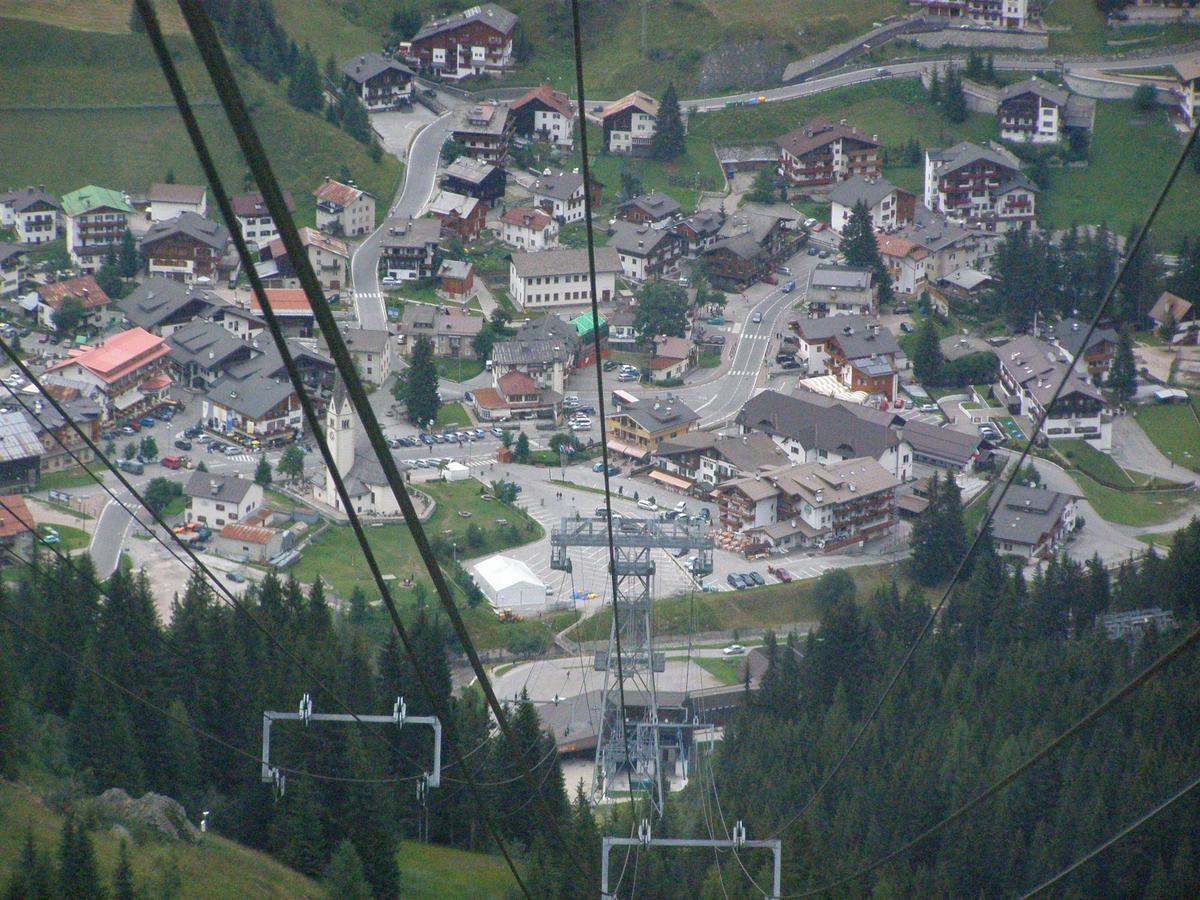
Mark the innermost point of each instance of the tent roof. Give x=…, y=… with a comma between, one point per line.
x=500, y=572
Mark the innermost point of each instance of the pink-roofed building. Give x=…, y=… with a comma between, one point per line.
x=672, y=358
x=129, y=371
x=906, y=262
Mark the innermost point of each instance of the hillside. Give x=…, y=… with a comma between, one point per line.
x=217, y=868
x=221, y=868
x=121, y=129
x=704, y=46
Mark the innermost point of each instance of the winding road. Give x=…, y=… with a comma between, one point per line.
x=420, y=180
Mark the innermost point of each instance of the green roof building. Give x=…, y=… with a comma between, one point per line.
x=92, y=197
x=584, y=323
x=96, y=219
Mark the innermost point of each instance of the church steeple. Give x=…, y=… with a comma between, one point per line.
x=339, y=430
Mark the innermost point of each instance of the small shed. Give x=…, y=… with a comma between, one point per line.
x=510, y=584
x=456, y=471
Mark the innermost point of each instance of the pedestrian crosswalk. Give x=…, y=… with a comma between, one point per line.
x=368, y=295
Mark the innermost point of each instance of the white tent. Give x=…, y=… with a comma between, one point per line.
x=456, y=471
x=510, y=584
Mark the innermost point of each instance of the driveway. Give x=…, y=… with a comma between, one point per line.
x=397, y=129
x=1132, y=449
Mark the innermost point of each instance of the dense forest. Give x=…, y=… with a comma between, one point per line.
x=972, y=704
x=219, y=669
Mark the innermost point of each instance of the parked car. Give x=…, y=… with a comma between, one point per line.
x=716, y=320
x=906, y=328
x=812, y=251
x=133, y=467
x=819, y=226
x=235, y=577
x=148, y=421
x=770, y=279
x=734, y=580
x=648, y=505
x=780, y=573
x=756, y=578
x=680, y=507
x=609, y=365
x=496, y=432
x=128, y=430
x=479, y=433
x=627, y=376
x=930, y=407
x=824, y=254
x=902, y=309
x=172, y=462
x=789, y=286
x=183, y=444
x=734, y=650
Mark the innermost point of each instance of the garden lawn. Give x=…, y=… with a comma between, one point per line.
x=679, y=178
x=1174, y=430
x=1136, y=509
x=458, y=369
x=1099, y=465
x=763, y=607
x=709, y=359
x=1125, y=141
x=65, y=479
x=726, y=671
x=452, y=415
x=69, y=538
x=335, y=557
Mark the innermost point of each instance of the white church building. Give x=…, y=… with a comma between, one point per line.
x=362, y=473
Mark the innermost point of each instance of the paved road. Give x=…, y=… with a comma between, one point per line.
x=109, y=537
x=420, y=179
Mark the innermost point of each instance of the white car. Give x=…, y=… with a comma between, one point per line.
x=648, y=505
x=734, y=650
x=930, y=407
x=680, y=507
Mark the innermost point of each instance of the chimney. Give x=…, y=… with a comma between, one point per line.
x=214, y=488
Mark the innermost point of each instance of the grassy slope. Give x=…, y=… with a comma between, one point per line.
x=679, y=33
x=428, y=871
x=764, y=607
x=132, y=148
x=105, y=16
x=216, y=869
x=1127, y=508
x=1174, y=431
x=1125, y=142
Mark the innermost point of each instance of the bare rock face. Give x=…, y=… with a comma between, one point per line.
x=155, y=811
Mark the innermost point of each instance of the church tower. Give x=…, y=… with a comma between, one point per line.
x=339, y=432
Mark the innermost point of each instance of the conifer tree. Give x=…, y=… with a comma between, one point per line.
x=521, y=450
x=296, y=835
x=935, y=87
x=129, y=262
x=1122, y=377
x=9, y=742
x=123, y=876
x=100, y=739
x=78, y=877
x=954, y=101
x=669, y=141
x=421, y=384
x=927, y=358
x=344, y=877
x=304, y=87
x=262, y=472
x=370, y=828
x=32, y=878
x=862, y=249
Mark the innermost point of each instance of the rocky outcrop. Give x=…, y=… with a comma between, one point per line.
x=153, y=811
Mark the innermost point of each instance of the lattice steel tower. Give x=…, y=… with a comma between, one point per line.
x=634, y=539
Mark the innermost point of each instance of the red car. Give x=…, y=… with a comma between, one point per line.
x=770, y=279
x=820, y=226
x=780, y=573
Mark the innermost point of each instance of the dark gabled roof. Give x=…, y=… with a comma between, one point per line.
x=189, y=224
x=225, y=488
x=26, y=197
x=824, y=328
x=548, y=328
x=10, y=251
x=842, y=277
x=252, y=205
x=655, y=414
x=557, y=185
x=963, y=154
x=177, y=193
x=818, y=133
x=1045, y=89
x=157, y=300
x=638, y=240
x=742, y=245
x=519, y=352
x=816, y=421
x=1026, y=514
x=366, y=66
x=863, y=343
x=655, y=204
x=1069, y=334
x=871, y=191
x=563, y=261
x=470, y=170
x=410, y=233
x=940, y=443
x=205, y=344
x=253, y=396
x=703, y=222
x=490, y=14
